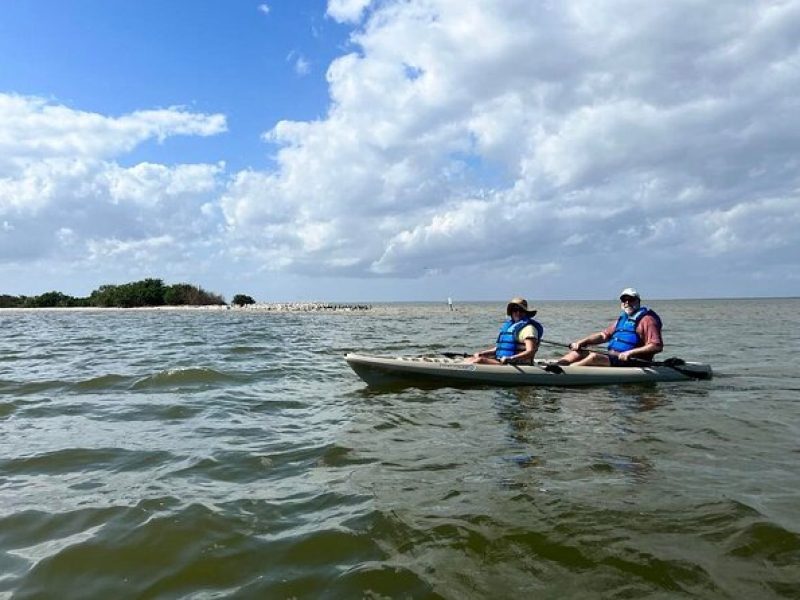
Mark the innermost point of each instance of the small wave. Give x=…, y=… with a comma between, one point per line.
x=7, y=408
x=18, y=388
x=84, y=459
x=191, y=376
x=372, y=579
x=200, y=550
x=246, y=349
x=246, y=467
x=340, y=456
x=768, y=542
x=102, y=383
x=149, y=412
x=276, y=406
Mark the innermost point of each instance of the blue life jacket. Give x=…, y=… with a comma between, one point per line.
x=507, y=344
x=625, y=337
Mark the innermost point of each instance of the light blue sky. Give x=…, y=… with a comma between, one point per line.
x=414, y=150
x=228, y=57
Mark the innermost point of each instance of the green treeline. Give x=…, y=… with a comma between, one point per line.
x=148, y=292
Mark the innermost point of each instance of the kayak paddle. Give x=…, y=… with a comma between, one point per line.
x=672, y=363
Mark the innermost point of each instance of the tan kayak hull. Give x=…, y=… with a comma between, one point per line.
x=380, y=371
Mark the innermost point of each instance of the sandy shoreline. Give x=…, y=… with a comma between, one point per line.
x=258, y=307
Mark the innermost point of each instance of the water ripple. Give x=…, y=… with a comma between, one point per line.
x=234, y=454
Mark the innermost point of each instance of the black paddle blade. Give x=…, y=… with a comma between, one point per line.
x=454, y=354
x=674, y=362
x=677, y=363
x=555, y=369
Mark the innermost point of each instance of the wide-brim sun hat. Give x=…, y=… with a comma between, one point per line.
x=629, y=292
x=522, y=303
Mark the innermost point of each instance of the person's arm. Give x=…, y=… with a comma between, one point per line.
x=592, y=338
x=534, y=346
x=483, y=353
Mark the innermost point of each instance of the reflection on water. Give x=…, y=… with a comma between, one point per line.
x=536, y=413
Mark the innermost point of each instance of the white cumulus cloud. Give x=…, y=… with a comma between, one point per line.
x=544, y=132
x=68, y=201
x=347, y=11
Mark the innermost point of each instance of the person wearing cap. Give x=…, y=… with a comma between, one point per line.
x=635, y=334
x=518, y=340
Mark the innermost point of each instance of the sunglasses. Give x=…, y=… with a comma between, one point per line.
x=628, y=299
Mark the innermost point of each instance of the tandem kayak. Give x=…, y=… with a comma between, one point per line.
x=381, y=371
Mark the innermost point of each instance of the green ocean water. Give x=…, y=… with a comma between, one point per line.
x=233, y=454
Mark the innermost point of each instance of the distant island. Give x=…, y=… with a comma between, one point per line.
x=148, y=292
x=152, y=293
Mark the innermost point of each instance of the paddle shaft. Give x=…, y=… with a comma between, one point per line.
x=562, y=345
x=608, y=353
x=598, y=350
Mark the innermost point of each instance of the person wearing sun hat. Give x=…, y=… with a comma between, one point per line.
x=635, y=334
x=518, y=340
